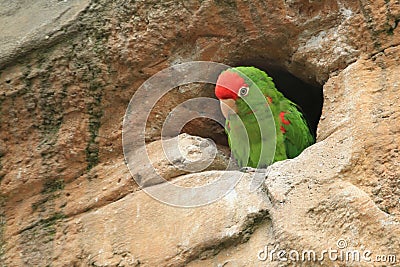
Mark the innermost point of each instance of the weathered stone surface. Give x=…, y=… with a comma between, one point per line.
x=370, y=88
x=165, y=235
x=25, y=25
x=67, y=197
x=166, y=159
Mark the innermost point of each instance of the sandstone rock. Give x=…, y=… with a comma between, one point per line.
x=22, y=30
x=165, y=235
x=67, y=198
x=163, y=160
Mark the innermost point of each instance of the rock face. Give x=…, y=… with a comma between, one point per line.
x=68, y=199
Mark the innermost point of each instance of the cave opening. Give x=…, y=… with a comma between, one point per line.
x=308, y=96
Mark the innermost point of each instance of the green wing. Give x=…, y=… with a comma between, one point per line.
x=297, y=134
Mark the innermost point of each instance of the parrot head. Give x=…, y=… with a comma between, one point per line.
x=229, y=88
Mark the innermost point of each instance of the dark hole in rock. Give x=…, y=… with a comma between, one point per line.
x=308, y=96
x=206, y=128
x=170, y=113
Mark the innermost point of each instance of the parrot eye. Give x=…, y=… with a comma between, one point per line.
x=243, y=91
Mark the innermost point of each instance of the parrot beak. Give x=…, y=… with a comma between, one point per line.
x=228, y=107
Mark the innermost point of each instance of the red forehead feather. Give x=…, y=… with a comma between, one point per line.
x=228, y=85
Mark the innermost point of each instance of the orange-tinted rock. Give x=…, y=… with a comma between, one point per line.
x=67, y=73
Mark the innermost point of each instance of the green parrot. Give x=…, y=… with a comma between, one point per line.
x=258, y=117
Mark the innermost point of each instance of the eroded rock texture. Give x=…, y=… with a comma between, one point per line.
x=68, y=70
